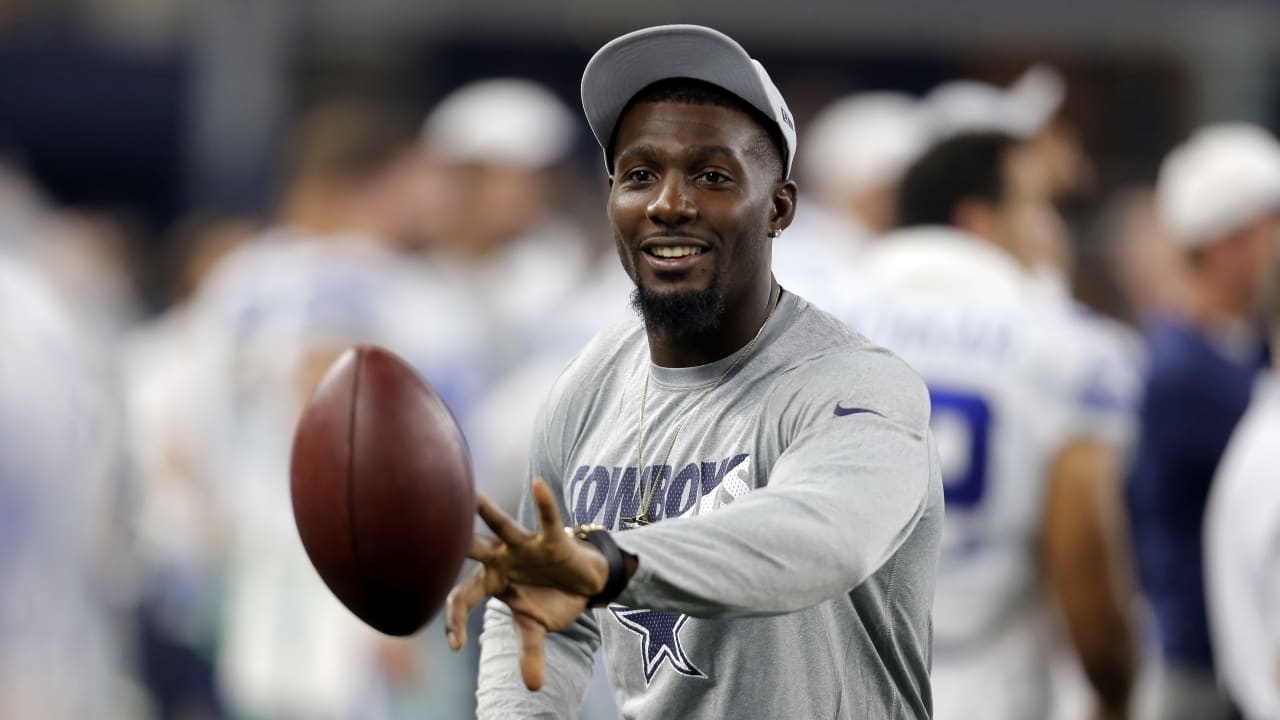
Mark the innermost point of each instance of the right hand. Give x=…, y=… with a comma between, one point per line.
x=545, y=578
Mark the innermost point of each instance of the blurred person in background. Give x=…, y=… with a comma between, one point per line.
x=540, y=284
x=1028, y=433
x=337, y=270
x=87, y=256
x=1028, y=110
x=90, y=257
x=856, y=150
x=59, y=647
x=501, y=143
x=1055, y=168
x=1242, y=545
x=23, y=208
x=1218, y=196
x=179, y=538
x=1151, y=268
x=528, y=270
x=538, y=281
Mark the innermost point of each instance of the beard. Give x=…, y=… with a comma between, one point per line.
x=680, y=314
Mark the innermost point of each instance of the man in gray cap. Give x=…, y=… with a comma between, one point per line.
x=755, y=493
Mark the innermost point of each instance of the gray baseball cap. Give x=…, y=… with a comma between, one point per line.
x=628, y=64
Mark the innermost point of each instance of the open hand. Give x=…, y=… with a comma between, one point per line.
x=544, y=577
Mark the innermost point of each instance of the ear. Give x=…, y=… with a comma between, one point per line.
x=782, y=209
x=611, y=181
x=975, y=217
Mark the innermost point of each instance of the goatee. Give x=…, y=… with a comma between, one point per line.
x=680, y=314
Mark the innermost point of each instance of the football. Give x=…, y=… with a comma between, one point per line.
x=382, y=490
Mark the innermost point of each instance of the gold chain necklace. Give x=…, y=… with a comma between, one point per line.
x=643, y=518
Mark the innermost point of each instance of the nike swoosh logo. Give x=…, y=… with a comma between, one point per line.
x=842, y=411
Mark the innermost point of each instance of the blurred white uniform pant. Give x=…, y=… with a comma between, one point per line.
x=1004, y=676
x=1169, y=691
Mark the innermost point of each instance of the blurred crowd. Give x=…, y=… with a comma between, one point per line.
x=149, y=564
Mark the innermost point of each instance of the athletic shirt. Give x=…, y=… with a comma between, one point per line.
x=789, y=572
x=56, y=651
x=520, y=288
x=1012, y=379
x=1242, y=557
x=1196, y=391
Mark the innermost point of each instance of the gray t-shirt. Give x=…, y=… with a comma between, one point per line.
x=790, y=571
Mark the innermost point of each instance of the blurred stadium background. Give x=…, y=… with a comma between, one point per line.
x=142, y=140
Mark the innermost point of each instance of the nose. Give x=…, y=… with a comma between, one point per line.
x=671, y=204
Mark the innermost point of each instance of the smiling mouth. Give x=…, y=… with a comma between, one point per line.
x=677, y=251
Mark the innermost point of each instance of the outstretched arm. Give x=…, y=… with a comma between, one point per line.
x=855, y=475
x=840, y=502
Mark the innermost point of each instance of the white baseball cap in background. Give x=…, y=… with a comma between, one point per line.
x=502, y=121
x=864, y=141
x=629, y=64
x=1022, y=110
x=1222, y=178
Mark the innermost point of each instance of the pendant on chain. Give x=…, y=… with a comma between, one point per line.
x=631, y=523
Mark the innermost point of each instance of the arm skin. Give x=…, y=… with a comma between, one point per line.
x=1084, y=549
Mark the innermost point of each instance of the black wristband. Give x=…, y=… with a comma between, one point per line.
x=613, y=557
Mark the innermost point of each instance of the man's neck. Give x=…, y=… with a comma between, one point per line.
x=734, y=333
x=1217, y=303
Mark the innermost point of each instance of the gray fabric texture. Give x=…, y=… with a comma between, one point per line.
x=790, y=570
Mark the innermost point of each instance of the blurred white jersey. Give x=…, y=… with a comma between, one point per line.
x=1012, y=379
x=518, y=287
x=814, y=257
x=504, y=418
x=55, y=659
x=1113, y=347
x=277, y=312
x=1242, y=558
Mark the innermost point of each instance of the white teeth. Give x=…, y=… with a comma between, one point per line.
x=676, y=252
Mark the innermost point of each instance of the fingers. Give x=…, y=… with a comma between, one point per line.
x=483, y=582
x=532, y=636
x=548, y=513
x=461, y=601
x=502, y=525
x=482, y=549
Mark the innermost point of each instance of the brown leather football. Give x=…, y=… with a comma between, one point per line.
x=382, y=490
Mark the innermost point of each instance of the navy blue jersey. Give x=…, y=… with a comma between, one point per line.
x=1194, y=395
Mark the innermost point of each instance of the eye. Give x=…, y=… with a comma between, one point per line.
x=639, y=176
x=713, y=177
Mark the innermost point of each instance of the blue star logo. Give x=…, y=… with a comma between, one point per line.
x=660, y=636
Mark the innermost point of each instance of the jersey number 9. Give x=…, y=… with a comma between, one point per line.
x=961, y=424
